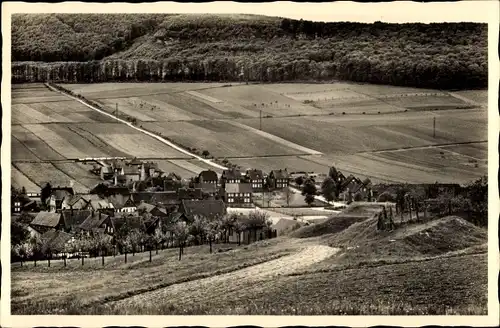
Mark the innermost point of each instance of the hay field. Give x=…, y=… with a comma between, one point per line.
x=41, y=173
x=221, y=138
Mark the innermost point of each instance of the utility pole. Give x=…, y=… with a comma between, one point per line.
x=434, y=129
x=260, y=119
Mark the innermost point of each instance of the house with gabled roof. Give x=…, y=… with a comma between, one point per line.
x=232, y=175
x=97, y=222
x=75, y=202
x=21, y=202
x=131, y=221
x=122, y=203
x=74, y=218
x=238, y=194
x=256, y=179
x=278, y=179
x=57, y=196
x=45, y=221
x=151, y=209
x=106, y=172
x=189, y=193
x=209, y=177
x=210, y=189
x=207, y=208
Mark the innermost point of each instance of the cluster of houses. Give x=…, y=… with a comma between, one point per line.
x=119, y=200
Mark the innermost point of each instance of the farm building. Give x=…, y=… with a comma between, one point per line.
x=45, y=221
x=132, y=221
x=21, y=203
x=208, y=176
x=106, y=172
x=278, y=179
x=206, y=208
x=252, y=233
x=256, y=178
x=238, y=194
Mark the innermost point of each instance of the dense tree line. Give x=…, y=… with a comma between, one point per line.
x=224, y=48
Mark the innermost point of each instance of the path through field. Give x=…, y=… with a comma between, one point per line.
x=142, y=130
x=197, y=290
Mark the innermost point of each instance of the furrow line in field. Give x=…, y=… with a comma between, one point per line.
x=170, y=144
x=421, y=147
x=276, y=139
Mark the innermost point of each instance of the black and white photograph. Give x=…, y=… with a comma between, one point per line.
x=247, y=164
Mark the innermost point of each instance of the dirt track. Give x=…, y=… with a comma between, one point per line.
x=211, y=287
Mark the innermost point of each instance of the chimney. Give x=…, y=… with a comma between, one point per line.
x=116, y=179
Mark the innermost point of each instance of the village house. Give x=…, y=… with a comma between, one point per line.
x=45, y=221
x=122, y=203
x=151, y=210
x=21, y=202
x=207, y=208
x=74, y=218
x=208, y=177
x=57, y=196
x=251, y=233
x=278, y=179
x=96, y=223
x=189, y=194
x=75, y=202
x=238, y=194
x=210, y=189
x=132, y=221
x=231, y=176
x=256, y=178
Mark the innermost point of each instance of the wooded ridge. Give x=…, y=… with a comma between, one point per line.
x=168, y=47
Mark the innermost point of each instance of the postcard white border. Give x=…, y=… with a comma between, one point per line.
x=469, y=11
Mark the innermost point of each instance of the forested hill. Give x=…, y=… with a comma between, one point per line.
x=148, y=47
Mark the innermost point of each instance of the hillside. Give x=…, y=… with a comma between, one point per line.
x=245, y=47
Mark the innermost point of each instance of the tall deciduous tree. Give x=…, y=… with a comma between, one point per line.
x=328, y=189
x=309, y=191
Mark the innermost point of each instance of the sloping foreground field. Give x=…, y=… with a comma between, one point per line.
x=437, y=267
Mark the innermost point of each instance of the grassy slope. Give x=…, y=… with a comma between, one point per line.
x=433, y=268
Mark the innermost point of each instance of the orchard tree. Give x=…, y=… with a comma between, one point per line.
x=36, y=244
x=299, y=180
x=328, y=189
x=23, y=250
x=181, y=235
x=309, y=191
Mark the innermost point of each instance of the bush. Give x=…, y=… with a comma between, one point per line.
x=386, y=197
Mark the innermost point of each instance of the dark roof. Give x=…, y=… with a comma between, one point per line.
x=56, y=239
x=25, y=218
x=173, y=218
x=255, y=174
x=133, y=221
x=135, y=161
x=146, y=207
x=231, y=174
x=165, y=198
x=191, y=193
x=280, y=174
x=208, y=175
x=93, y=221
x=207, y=208
x=73, y=199
x=207, y=187
x=238, y=188
x=60, y=194
x=130, y=171
x=118, y=201
x=47, y=219
x=174, y=176
x=150, y=165
x=74, y=218
x=137, y=197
